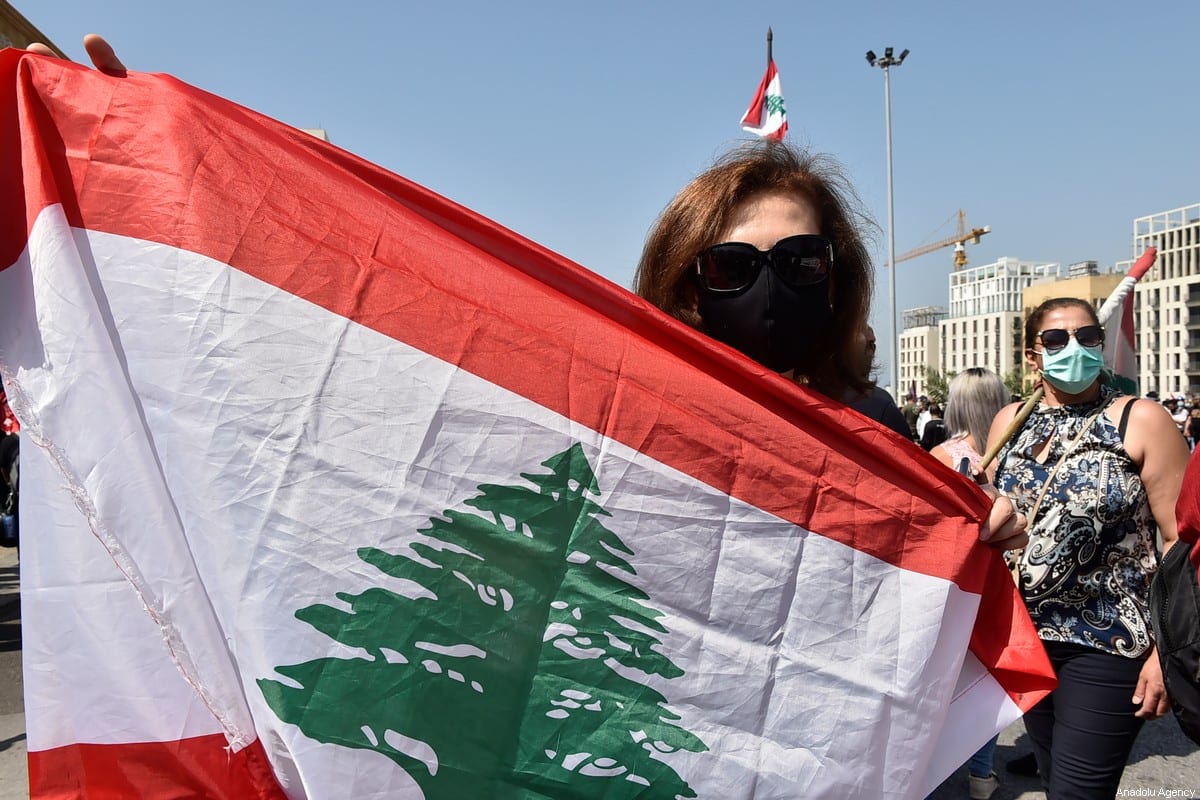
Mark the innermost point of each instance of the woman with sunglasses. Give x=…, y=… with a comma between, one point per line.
x=763, y=252
x=1097, y=475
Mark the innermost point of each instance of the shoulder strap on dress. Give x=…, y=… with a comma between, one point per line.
x=1124, y=423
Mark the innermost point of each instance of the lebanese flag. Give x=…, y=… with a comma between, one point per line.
x=1187, y=509
x=333, y=488
x=766, y=115
x=1116, y=315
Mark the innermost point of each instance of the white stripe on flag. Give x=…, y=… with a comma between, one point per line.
x=283, y=445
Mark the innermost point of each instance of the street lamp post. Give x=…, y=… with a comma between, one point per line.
x=886, y=63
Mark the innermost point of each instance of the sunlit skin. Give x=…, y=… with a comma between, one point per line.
x=765, y=218
x=1152, y=442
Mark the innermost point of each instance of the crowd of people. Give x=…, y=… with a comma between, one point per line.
x=764, y=252
x=1185, y=413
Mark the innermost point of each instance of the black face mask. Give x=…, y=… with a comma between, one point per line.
x=769, y=321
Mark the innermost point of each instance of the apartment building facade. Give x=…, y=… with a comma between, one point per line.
x=920, y=348
x=1167, y=308
x=986, y=315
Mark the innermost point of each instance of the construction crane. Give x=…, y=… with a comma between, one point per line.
x=959, y=241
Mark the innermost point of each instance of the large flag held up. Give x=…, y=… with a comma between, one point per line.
x=1116, y=315
x=336, y=489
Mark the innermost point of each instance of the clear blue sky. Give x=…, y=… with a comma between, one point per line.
x=574, y=123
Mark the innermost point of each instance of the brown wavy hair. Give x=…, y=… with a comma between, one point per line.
x=696, y=217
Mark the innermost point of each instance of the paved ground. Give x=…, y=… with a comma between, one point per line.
x=1164, y=764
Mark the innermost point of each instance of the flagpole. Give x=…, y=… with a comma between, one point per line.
x=886, y=63
x=769, y=37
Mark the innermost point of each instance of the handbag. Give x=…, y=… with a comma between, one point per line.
x=1175, y=616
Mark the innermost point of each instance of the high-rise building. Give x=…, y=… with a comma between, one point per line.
x=1167, y=321
x=983, y=328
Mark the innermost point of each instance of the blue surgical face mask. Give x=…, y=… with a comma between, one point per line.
x=1074, y=368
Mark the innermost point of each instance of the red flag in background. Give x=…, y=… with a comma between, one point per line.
x=1116, y=315
x=390, y=501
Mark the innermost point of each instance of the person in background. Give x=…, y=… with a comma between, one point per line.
x=873, y=403
x=909, y=411
x=1178, y=410
x=934, y=432
x=1097, y=475
x=1193, y=426
x=976, y=395
x=10, y=489
x=922, y=416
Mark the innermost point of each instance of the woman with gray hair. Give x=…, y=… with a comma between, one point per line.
x=976, y=396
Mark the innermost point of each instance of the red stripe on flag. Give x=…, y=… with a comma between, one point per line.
x=197, y=767
x=756, y=114
x=365, y=244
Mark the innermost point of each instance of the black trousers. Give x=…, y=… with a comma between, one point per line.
x=1083, y=732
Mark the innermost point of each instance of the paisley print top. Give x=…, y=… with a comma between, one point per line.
x=1086, y=571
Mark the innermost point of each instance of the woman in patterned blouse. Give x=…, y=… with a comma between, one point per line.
x=1097, y=474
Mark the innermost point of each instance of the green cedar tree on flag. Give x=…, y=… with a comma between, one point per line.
x=341, y=490
x=533, y=562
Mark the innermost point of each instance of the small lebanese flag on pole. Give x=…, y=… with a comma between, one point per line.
x=1120, y=349
x=766, y=115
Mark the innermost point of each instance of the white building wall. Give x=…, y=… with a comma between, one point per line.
x=983, y=328
x=1168, y=302
x=919, y=349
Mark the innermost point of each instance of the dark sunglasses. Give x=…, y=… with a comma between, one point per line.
x=1055, y=339
x=732, y=266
